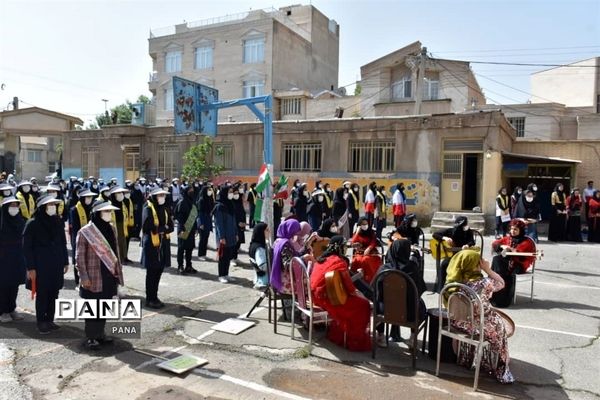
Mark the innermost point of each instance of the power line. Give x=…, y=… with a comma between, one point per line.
x=528, y=64
x=530, y=49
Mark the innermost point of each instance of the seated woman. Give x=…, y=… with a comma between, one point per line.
x=409, y=229
x=350, y=321
x=317, y=242
x=258, y=254
x=465, y=267
x=401, y=258
x=365, y=244
x=507, y=267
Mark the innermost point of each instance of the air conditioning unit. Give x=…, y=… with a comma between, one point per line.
x=143, y=114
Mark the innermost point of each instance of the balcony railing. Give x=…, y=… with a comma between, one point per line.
x=153, y=77
x=249, y=16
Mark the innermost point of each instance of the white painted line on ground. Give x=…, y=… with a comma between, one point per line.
x=250, y=385
x=567, y=285
x=556, y=331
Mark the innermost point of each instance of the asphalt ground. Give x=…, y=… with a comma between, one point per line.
x=555, y=351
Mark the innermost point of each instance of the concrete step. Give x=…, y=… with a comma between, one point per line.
x=445, y=219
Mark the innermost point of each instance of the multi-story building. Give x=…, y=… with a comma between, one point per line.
x=245, y=55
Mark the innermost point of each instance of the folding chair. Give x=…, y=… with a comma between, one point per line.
x=527, y=276
x=302, y=297
x=462, y=302
x=395, y=285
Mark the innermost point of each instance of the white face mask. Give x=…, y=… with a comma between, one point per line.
x=95, y=186
x=333, y=229
x=534, y=188
x=230, y=196
x=241, y=191
x=236, y=196
x=6, y=193
x=320, y=186
x=355, y=190
x=345, y=196
x=209, y=192
x=51, y=210
x=160, y=200
x=364, y=227
x=35, y=189
x=306, y=194
x=26, y=189
x=52, y=194
x=106, y=216
x=87, y=200
x=519, y=191
x=12, y=211
x=320, y=199
x=466, y=228
x=529, y=199
x=127, y=195
x=119, y=196
x=414, y=224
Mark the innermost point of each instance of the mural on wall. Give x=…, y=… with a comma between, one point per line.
x=422, y=196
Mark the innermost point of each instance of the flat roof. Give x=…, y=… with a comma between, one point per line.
x=534, y=157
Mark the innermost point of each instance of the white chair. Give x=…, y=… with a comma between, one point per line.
x=462, y=302
x=302, y=297
x=527, y=276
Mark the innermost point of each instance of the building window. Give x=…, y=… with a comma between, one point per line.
x=291, y=106
x=371, y=156
x=204, y=58
x=223, y=155
x=89, y=161
x=254, y=51
x=168, y=99
x=301, y=157
x=430, y=89
x=253, y=88
x=452, y=166
x=519, y=124
x=168, y=154
x=402, y=89
x=52, y=166
x=173, y=61
x=34, y=156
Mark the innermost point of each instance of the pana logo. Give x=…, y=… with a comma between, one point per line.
x=112, y=309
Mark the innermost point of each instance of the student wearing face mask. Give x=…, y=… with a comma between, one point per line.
x=370, y=203
x=79, y=215
x=316, y=209
x=27, y=199
x=55, y=192
x=99, y=267
x=240, y=216
x=186, y=215
x=156, y=243
x=531, y=212
x=365, y=245
x=593, y=218
x=5, y=191
x=380, y=214
x=46, y=259
x=558, y=221
x=205, y=205
x=502, y=213
x=301, y=203
x=294, y=193
x=226, y=230
x=120, y=220
x=460, y=236
x=252, y=196
x=409, y=229
x=130, y=209
x=399, y=204
x=138, y=197
x=12, y=267
x=319, y=239
x=340, y=211
x=328, y=201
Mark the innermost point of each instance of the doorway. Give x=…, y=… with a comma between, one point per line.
x=472, y=176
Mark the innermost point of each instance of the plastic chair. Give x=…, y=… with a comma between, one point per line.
x=462, y=303
x=396, y=286
x=302, y=297
x=527, y=276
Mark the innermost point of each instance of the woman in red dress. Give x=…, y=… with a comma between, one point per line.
x=350, y=321
x=365, y=245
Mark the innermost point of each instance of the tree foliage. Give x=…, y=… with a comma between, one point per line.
x=201, y=160
x=120, y=114
x=357, y=89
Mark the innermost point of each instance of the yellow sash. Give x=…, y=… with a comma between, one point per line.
x=129, y=209
x=356, y=202
x=154, y=236
x=114, y=220
x=328, y=201
x=26, y=209
x=503, y=201
x=81, y=213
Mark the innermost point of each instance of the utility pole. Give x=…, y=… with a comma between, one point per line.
x=106, y=111
x=422, y=59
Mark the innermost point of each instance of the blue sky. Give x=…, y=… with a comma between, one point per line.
x=69, y=55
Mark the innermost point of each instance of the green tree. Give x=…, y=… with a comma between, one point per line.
x=120, y=114
x=357, y=89
x=199, y=160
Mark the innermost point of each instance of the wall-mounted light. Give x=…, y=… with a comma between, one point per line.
x=488, y=154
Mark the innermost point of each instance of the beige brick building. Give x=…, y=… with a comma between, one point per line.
x=244, y=55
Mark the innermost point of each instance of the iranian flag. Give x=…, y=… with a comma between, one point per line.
x=282, y=192
x=263, y=178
